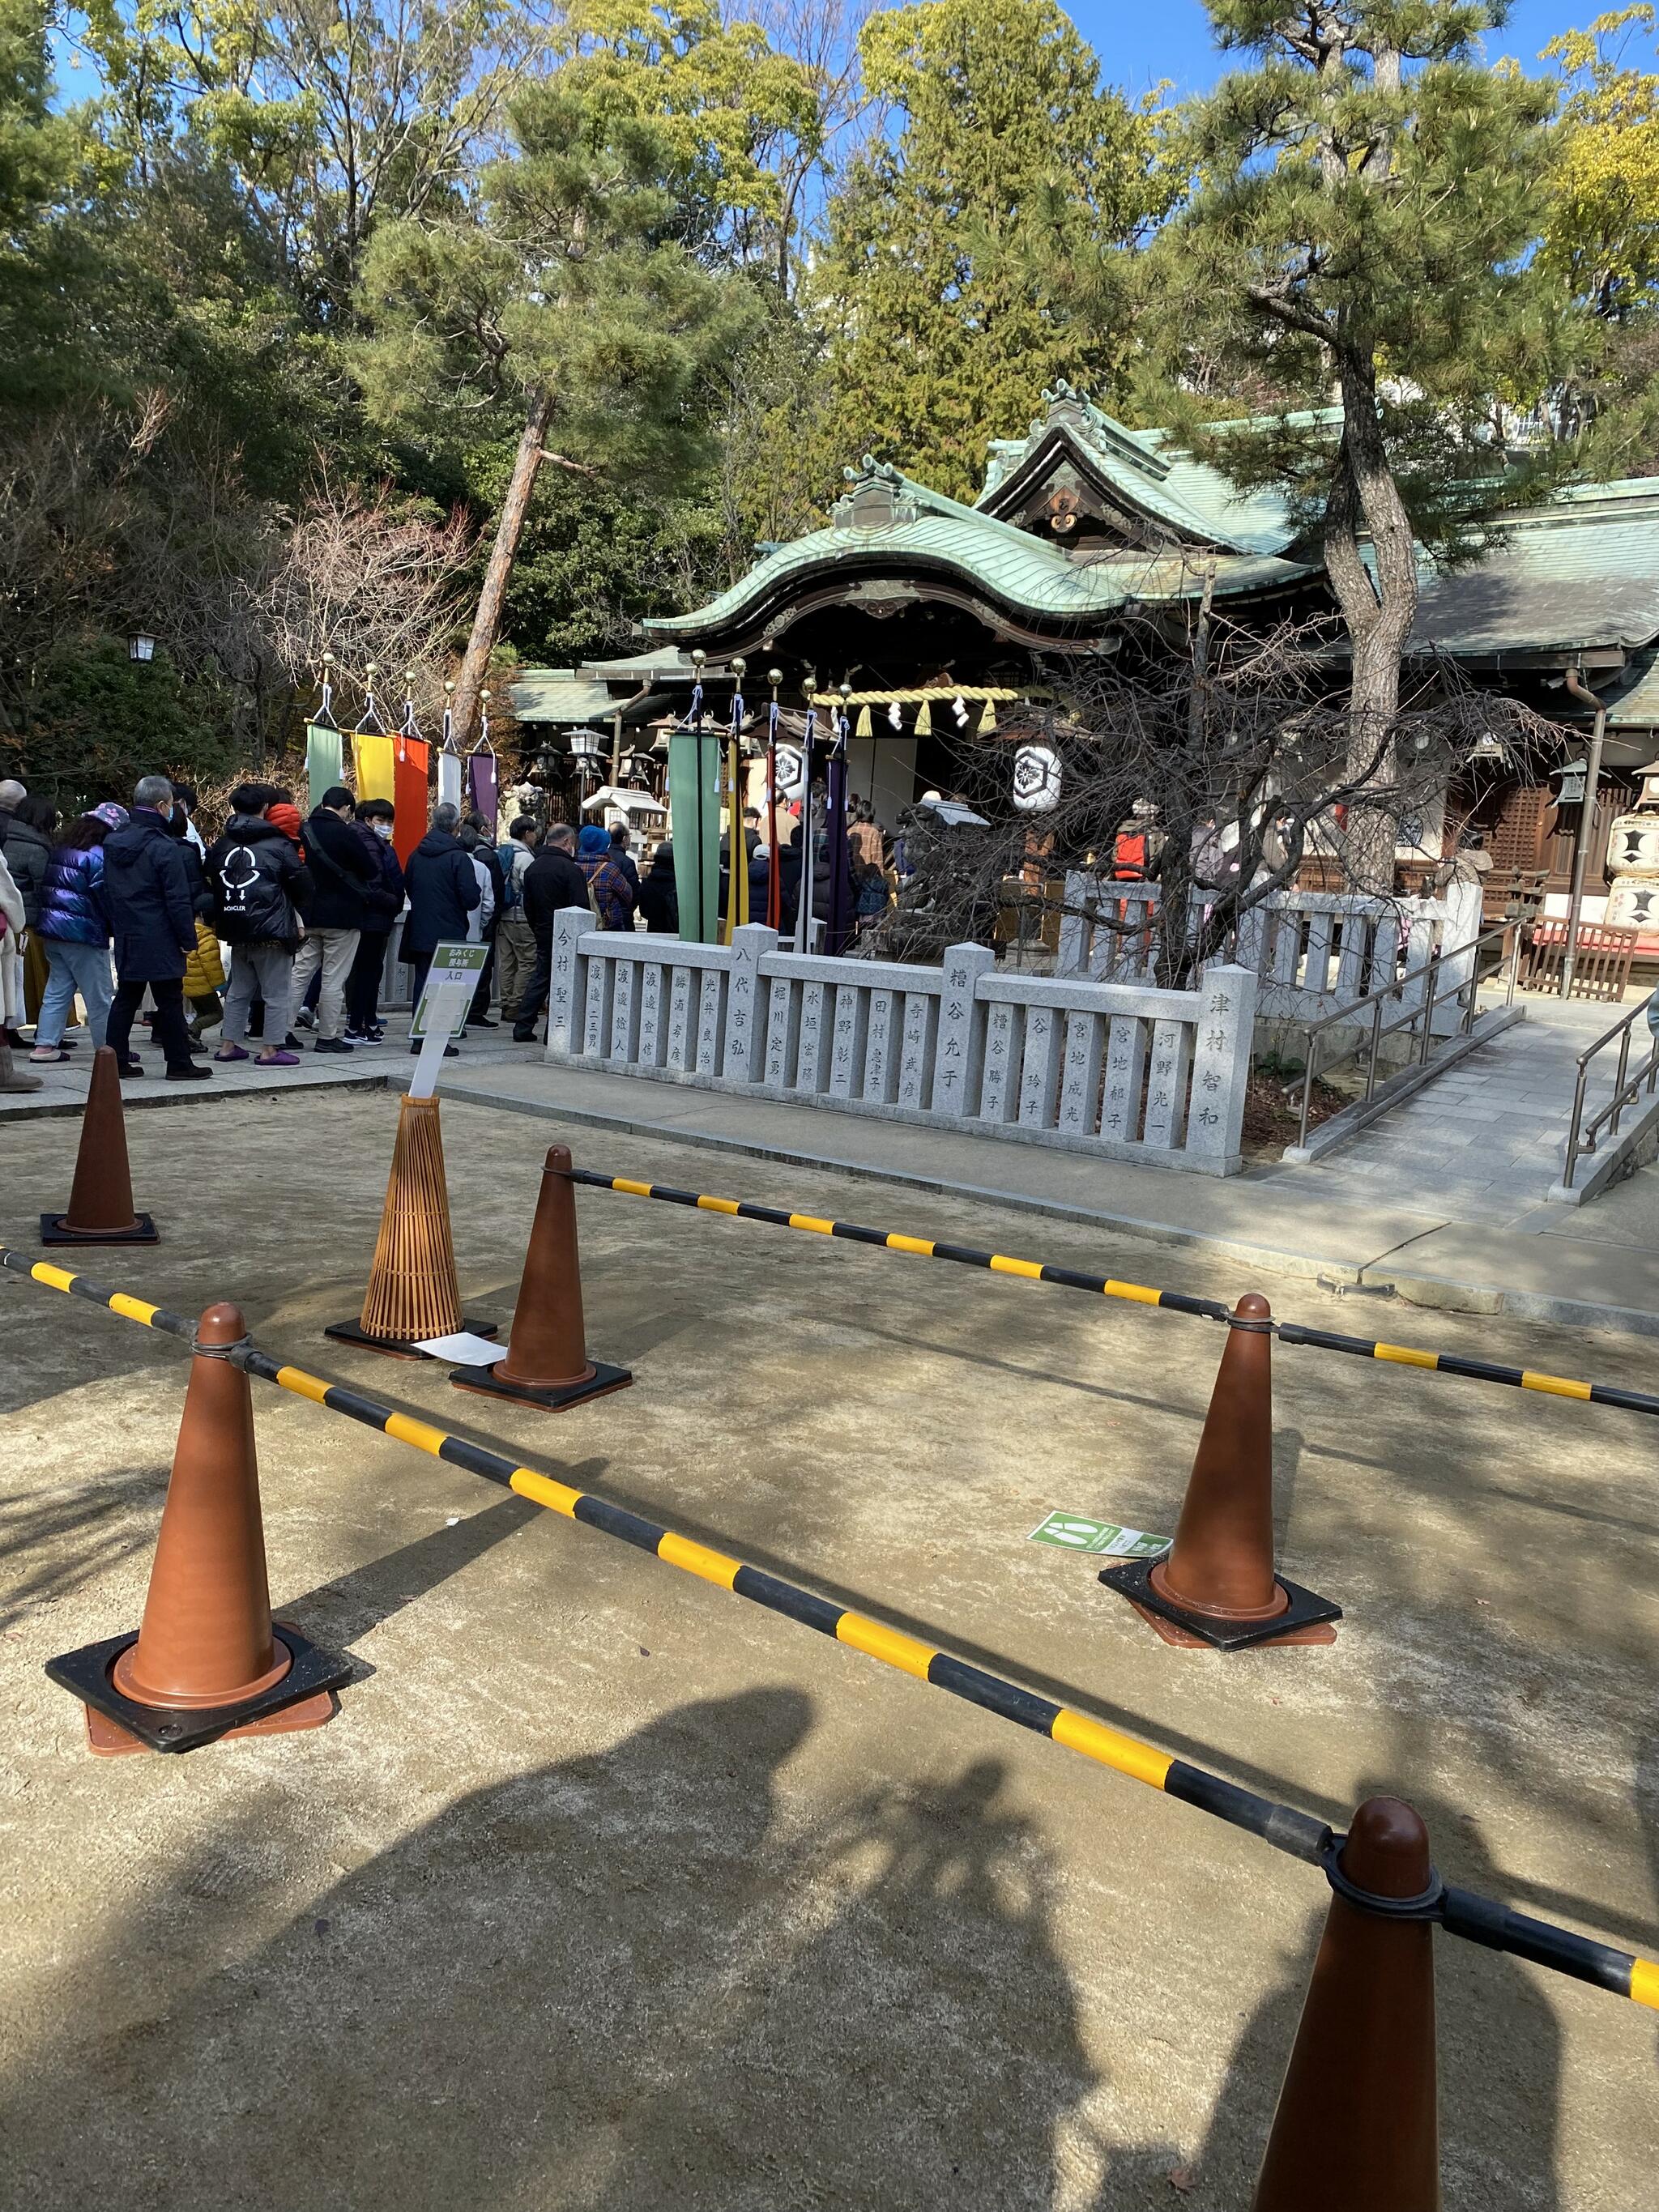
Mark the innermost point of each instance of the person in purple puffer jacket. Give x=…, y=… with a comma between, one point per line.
x=75, y=928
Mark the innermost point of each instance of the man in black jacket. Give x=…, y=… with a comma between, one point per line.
x=342, y=874
x=474, y=833
x=551, y=881
x=154, y=930
x=443, y=889
x=259, y=884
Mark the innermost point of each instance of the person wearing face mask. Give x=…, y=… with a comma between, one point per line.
x=375, y=820
x=154, y=926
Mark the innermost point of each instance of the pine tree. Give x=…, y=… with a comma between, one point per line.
x=968, y=252
x=1368, y=194
x=568, y=306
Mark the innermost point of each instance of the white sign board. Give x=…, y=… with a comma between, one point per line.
x=445, y=1001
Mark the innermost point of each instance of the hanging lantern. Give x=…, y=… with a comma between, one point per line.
x=1037, y=780
x=791, y=771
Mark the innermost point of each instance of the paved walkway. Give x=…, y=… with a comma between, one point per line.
x=1416, y=1231
x=1484, y=1141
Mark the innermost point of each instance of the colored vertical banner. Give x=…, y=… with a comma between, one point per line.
x=325, y=761
x=413, y=760
x=694, y=813
x=373, y=760
x=449, y=777
x=484, y=783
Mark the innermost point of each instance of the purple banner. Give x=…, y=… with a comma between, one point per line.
x=485, y=785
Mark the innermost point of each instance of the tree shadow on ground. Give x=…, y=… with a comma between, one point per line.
x=353, y=1604
x=629, y=1982
x=71, y=1538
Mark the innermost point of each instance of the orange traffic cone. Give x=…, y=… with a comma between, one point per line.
x=547, y=1362
x=1357, y=2124
x=412, y=1296
x=207, y=1662
x=1216, y=1586
x=100, y=1208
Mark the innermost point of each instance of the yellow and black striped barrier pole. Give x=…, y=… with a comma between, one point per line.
x=1141, y=1294
x=1298, y=1834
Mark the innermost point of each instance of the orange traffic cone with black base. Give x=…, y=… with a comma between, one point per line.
x=100, y=1208
x=207, y=1661
x=1357, y=2123
x=547, y=1362
x=1216, y=1586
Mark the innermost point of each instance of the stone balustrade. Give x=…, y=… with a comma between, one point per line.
x=1119, y=1069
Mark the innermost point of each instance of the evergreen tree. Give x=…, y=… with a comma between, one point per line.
x=1368, y=194
x=567, y=306
x=970, y=253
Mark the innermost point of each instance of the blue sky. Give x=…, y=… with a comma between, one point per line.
x=1139, y=41
x=1144, y=40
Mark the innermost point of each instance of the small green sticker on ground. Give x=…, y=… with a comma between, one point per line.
x=1075, y=1532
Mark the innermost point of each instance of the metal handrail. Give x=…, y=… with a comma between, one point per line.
x=1422, y=1009
x=1626, y=1088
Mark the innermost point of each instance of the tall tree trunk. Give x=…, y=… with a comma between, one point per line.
x=509, y=528
x=1378, y=611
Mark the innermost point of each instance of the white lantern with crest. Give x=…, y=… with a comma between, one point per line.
x=1036, y=779
x=792, y=772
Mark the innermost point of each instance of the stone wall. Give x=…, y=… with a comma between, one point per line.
x=1116, y=1069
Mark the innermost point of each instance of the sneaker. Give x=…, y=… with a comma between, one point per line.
x=357, y=1037
x=230, y=1052
x=48, y=1052
x=330, y=1044
x=277, y=1060
x=450, y=1051
x=376, y=1031
x=305, y=1019
x=191, y=1074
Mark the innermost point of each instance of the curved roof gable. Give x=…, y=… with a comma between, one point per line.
x=1139, y=472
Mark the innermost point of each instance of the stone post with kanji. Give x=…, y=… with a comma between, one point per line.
x=1221, y=1066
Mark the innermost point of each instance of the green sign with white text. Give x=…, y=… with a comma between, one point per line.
x=1075, y=1532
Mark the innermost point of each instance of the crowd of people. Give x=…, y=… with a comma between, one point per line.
x=281, y=924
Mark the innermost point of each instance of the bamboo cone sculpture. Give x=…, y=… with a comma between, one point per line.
x=412, y=1292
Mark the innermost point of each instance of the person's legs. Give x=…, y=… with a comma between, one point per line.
x=479, y=1010
x=339, y=951
x=533, y=997
x=515, y=960
x=56, y=999
x=363, y=984
x=417, y=963
x=273, y=963
x=307, y=961
x=93, y=979
x=129, y=997
x=239, y=999
x=170, y=1032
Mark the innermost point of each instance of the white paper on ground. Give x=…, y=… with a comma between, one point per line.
x=463, y=1349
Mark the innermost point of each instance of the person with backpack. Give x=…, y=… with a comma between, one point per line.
x=474, y=833
x=375, y=823
x=515, y=941
x=74, y=927
x=259, y=881
x=609, y=890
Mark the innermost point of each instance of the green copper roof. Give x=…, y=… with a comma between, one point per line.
x=561, y=696
x=1582, y=571
x=890, y=520
x=1146, y=473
